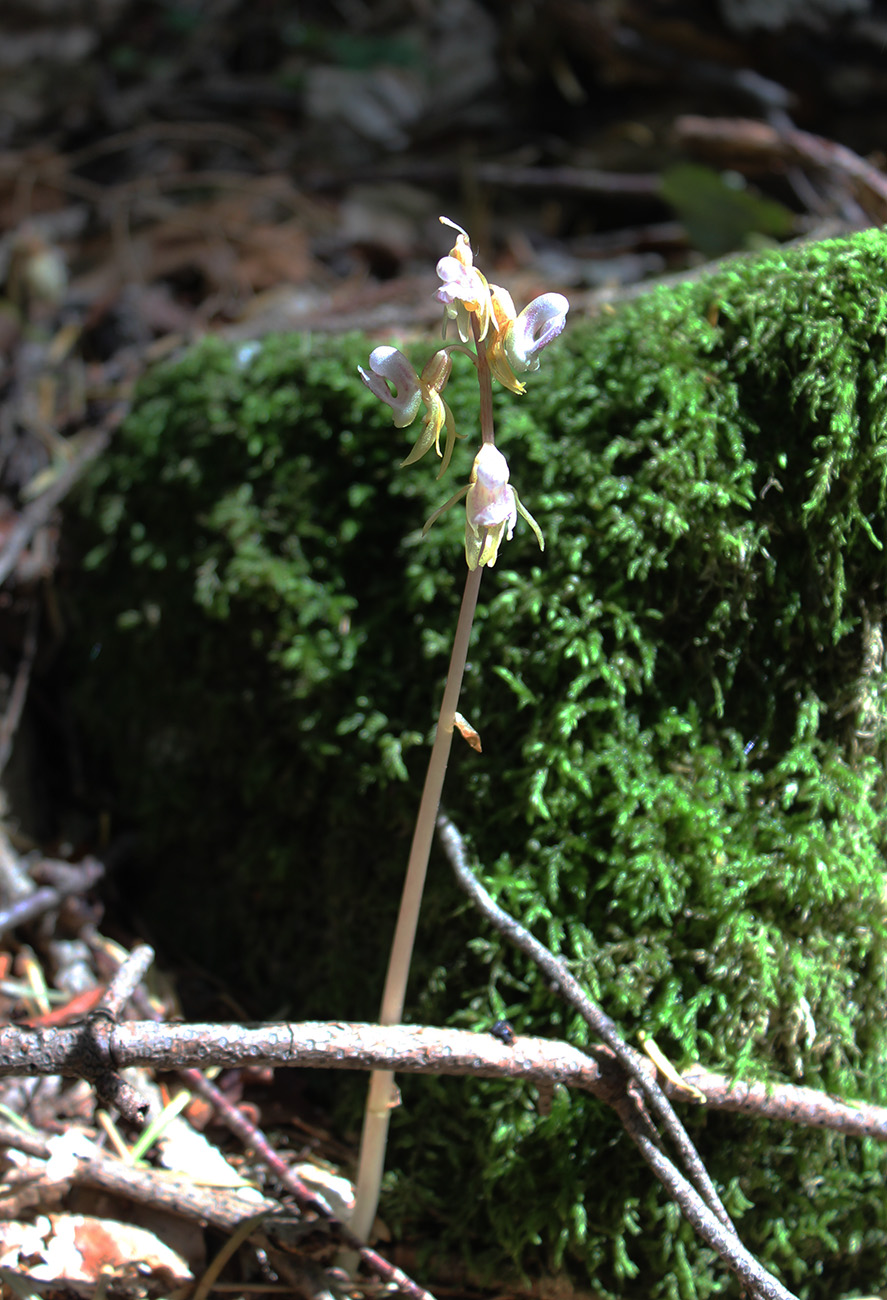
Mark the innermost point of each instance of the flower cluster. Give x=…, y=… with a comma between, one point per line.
x=512, y=342
x=507, y=345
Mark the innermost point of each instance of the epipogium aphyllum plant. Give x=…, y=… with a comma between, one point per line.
x=505, y=345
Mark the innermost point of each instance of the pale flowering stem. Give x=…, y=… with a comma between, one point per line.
x=381, y=1090
x=381, y=1095
x=485, y=381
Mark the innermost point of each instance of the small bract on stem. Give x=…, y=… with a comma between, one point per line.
x=505, y=344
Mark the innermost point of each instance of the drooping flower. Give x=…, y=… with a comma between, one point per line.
x=491, y=509
x=515, y=346
x=464, y=290
x=388, y=366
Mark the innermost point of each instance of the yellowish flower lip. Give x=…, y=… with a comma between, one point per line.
x=388, y=366
x=492, y=506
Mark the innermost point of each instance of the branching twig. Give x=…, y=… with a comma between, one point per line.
x=93, y=1038
x=705, y=1212
x=597, y=1019
x=726, y=1244
x=750, y=142
x=255, y=1140
x=417, y=1049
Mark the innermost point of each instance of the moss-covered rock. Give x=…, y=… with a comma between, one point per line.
x=682, y=705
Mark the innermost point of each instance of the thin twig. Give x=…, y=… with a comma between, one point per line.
x=706, y=1215
x=68, y=877
x=78, y=881
x=19, y=692
x=124, y=984
x=582, y=180
x=606, y=1029
x=39, y=510
x=788, y=1103
x=28, y=909
x=115, y=1093
x=725, y=1243
x=254, y=1139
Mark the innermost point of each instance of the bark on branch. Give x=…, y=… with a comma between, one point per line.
x=416, y=1049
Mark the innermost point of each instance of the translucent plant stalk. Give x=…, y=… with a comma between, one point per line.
x=503, y=340
x=381, y=1097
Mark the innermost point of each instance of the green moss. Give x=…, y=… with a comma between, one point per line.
x=682, y=704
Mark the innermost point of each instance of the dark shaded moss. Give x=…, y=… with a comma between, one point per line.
x=682, y=710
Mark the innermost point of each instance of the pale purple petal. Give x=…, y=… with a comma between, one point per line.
x=460, y=283
x=534, y=329
x=388, y=364
x=499, y=508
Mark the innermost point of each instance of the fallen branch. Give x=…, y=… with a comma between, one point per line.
x=223, y=1208
x=38, y=511
x=307, y=1199
x=417, y=1049
x=704, y=1211
x=749, y=143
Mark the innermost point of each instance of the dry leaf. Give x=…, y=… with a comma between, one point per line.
x=467, y=732
x=77, y=1249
